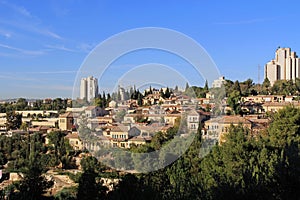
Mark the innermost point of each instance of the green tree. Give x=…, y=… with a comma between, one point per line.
x=13, y=120
x=130, y=187
x=234, y=102
x=187, y=87
x=56, y=138
x=24, y=126
x=167, y=93
x=176, y=89
x=247, y=87
x=3, y=159
x=21, y=104
x=206, y=86
x=69, y=193
x=34, y=184
x=162, y=94
x=90, y=187
x=140, y=99
x=284, y=87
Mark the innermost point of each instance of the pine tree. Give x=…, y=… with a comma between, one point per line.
x=34, y=184
x=162, y=94
x=206, y=86
x=167, y=93
x=140, y=99
x=187, y=87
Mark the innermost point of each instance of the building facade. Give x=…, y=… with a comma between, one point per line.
x=66, y=121
x=88, y=88
x=218, y=83
x=285, y=66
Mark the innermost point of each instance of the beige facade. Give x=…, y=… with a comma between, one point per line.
x=275, y=107
x=137, y=141
x=264, y=98
x=74, y=141
x=66, y=121
x=193, y=119
x=219, y=82
x=2, y=122
x=170, y=119
x=49, y=122
x=218, y=127
x=285, y=66
x=26, y=113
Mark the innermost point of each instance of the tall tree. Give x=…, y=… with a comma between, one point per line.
x=206, y=86
x=162, y=94
x=187, y=87
x=89, y=187
x=21, y=104
x=176, y=89
x=167, y=93
x=266, y=86
x=140, y=99
x=34, y=184
x=247, y=87
x=13, y=120
x=233, y=101
x=56, y=138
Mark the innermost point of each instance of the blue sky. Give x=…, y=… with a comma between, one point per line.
x=43, y=44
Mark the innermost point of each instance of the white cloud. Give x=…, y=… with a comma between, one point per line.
x=28, y=21
x=23, y=51
x=10, y=77
x=49, y=33
x=60, y=47
x=18, y=9
x=21, y=10
x=86, y=47
x=6, y=34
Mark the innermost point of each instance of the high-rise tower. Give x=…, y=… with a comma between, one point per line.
x=88, y=88
x=285, y=66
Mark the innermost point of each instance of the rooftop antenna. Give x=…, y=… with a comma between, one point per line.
x=258, y=76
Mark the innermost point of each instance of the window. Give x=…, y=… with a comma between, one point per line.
x=193, y=126
x=144, y=134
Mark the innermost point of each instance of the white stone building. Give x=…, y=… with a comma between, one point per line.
x=88, y=88
x=219, y=82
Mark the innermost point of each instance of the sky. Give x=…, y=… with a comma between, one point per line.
x=44, y=44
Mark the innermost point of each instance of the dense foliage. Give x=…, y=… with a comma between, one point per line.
x=23, y=104
x=244, y=167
